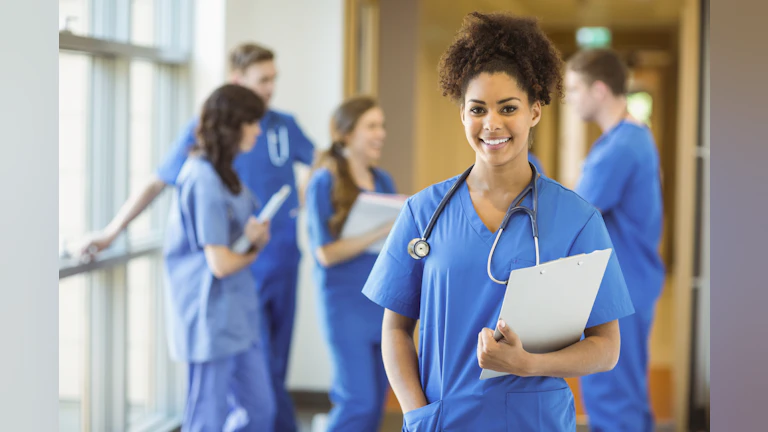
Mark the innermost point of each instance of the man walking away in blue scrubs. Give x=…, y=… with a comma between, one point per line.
x=621, y=178
x=264, y=170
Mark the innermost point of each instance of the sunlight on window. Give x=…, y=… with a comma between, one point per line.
x=640, y=105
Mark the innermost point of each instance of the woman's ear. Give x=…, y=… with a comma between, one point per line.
x=535, y=113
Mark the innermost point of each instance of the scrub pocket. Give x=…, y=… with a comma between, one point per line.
x=424, y=419
x=547, y=411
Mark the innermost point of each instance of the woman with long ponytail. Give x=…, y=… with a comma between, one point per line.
x=351, y=322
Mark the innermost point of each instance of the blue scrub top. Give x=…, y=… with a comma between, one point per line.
x=265, y=169
x=208, y=318
x=621, y=177
x=450, y=292
x=340, y=285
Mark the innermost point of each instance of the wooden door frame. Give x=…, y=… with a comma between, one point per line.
x=354, y=23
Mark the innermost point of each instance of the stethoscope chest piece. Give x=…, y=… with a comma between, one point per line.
x=418, y=248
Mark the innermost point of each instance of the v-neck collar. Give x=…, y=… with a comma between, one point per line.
x=474, y=218
x=378, y=186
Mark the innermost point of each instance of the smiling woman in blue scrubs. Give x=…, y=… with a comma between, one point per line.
x=501, y=70
x=213, y=311
x=351, y=323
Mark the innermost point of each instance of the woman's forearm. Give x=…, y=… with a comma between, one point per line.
x=346, y=249
x=401, y=361
x=224, y=262
x=134, y=206
x=595, y=353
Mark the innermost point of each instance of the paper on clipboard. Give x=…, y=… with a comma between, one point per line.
x=269, y=211
x=548, y=305
x=370, y=211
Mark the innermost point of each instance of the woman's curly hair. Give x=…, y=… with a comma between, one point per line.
x=219, y=132
x=500, y=42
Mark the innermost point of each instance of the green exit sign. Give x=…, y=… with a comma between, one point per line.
x=593, y=37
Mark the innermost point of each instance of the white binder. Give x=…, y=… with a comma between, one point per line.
x=548, y=305
x=242, y=244
x=370, y=211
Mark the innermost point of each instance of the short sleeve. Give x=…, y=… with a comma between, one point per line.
x=304, y=150
x=395, y=280
x=605, y=175
x=612, y=301
x=171, y=166
x=319, y=209
x=205, y=206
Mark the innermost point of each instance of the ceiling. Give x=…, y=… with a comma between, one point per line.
x=563, y=14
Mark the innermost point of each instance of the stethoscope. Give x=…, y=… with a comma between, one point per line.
x=277, y=144
x=419, y=248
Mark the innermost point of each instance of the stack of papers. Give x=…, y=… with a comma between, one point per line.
x=370, y=211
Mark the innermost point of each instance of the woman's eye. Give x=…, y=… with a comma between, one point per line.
x=476, y=110
x=508, y=109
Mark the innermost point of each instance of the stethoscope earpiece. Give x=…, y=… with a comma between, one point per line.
x=418, y=248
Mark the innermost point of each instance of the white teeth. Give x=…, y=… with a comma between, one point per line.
x=496, y=142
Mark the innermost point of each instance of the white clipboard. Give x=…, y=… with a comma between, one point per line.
x=371, y=210
x=548, y=305
x=242, y=244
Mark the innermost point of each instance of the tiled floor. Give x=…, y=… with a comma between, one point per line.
x=394, y=422
x=391, y=423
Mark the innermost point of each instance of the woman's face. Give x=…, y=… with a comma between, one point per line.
x=497, y=118
x=250, y=132
x=367, y=138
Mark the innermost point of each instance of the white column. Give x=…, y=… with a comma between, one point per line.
x=28, y=221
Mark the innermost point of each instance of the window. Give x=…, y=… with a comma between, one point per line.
x=74, y=94
x=140, y=146
x=74, y=16
x=640, y=105
x=142, y=347
x=123, y=96
x=142, y=22
x=73, y=341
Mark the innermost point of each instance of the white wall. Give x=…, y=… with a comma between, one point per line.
x=28, y=224
x=209, y=55
x=307, y=37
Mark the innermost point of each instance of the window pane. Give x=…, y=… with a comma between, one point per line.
x=640, y=105
x=73, y=322
x=75, y=16
x=73, y=137
x=141, y=144
x=143, y=22
x=142, y=338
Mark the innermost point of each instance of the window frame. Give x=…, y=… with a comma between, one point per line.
x=104, y=402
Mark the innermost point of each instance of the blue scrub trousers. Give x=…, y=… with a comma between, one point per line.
x=277, y=300
x=359, y=387
x=230, y=394
x=618, y=400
